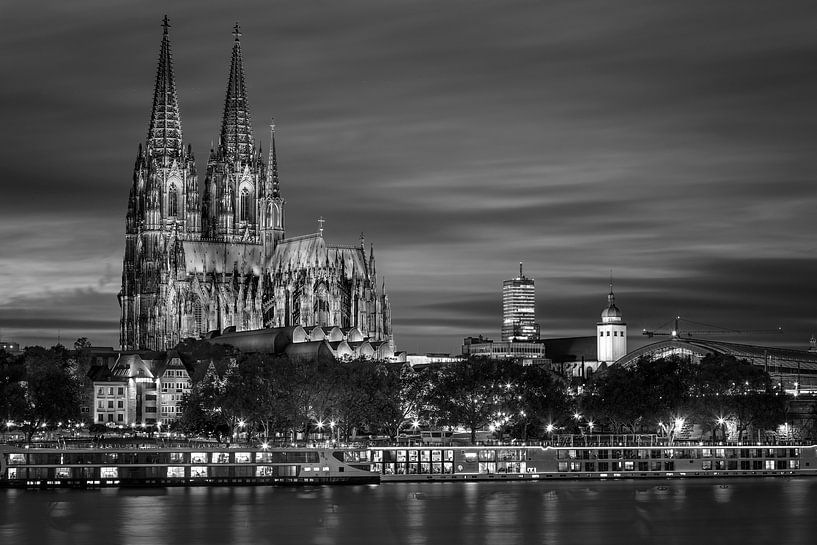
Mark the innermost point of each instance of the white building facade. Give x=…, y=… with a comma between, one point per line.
x=611, y=332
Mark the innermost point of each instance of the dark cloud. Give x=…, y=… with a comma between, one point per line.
x=672, y=143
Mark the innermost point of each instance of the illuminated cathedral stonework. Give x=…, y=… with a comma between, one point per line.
x=217, y=261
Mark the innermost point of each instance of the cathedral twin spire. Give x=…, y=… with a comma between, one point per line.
x=236, y=126
x=165, y=130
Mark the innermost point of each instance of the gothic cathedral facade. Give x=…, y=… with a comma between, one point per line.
x=220, y=260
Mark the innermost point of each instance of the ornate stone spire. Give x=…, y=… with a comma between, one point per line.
x=165, y=130
x=236, y=126
x=272, y=163
x=276, y=187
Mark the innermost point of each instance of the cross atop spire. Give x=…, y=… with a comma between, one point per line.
x=165, y=129
x=611, y=298
x=321, y=221
x=236, y=125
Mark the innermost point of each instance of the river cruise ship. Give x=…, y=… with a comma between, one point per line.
x=603, y=457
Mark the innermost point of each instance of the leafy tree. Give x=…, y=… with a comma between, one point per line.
x=52, y=390
x=536, y=397
x=628, y=399
x=739, y=391
x=404, y=395
x=467, y=393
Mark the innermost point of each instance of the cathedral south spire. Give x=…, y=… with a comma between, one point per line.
x=236, y=126
x=165, y=130
x=273, y=163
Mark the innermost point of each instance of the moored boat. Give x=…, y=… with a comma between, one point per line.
x=152, y=464
x=156, y=464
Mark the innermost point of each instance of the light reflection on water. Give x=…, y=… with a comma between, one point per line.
x=682, y=511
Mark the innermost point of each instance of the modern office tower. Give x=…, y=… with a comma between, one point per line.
x=519, y=309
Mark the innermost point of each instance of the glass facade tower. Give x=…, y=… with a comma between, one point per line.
x=519, y=309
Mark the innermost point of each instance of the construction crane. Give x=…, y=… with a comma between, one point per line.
x=676, y=332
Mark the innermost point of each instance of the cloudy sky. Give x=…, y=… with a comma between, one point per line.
x=672, y=142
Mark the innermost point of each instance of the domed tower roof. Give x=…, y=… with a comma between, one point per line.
x=611, y=312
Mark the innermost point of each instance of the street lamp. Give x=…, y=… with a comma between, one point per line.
x=591, y=425
x=677, y=425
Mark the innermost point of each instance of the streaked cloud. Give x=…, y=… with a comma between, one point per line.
x=672, y=143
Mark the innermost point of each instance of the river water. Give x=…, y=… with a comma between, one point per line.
x=693, y=512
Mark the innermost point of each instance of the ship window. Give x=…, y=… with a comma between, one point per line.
x=17, y=459
x=264, y=471
x=242, y=458
x=109, y=473
x=221, y=457
x=175, y=472
x=198, y=458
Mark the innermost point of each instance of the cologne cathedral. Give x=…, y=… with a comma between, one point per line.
x=219, y=260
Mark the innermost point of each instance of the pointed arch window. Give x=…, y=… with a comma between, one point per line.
x=172, y=201
x=244, y=205
x=198, y=319
x=321, y=306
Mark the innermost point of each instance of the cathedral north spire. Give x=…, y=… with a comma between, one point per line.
x=236, y=126
x=165, y=130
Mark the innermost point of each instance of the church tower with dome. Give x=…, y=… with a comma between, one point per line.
x=197, y=266
x=611, y=332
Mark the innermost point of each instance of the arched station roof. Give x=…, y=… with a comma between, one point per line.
x=779, y=362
